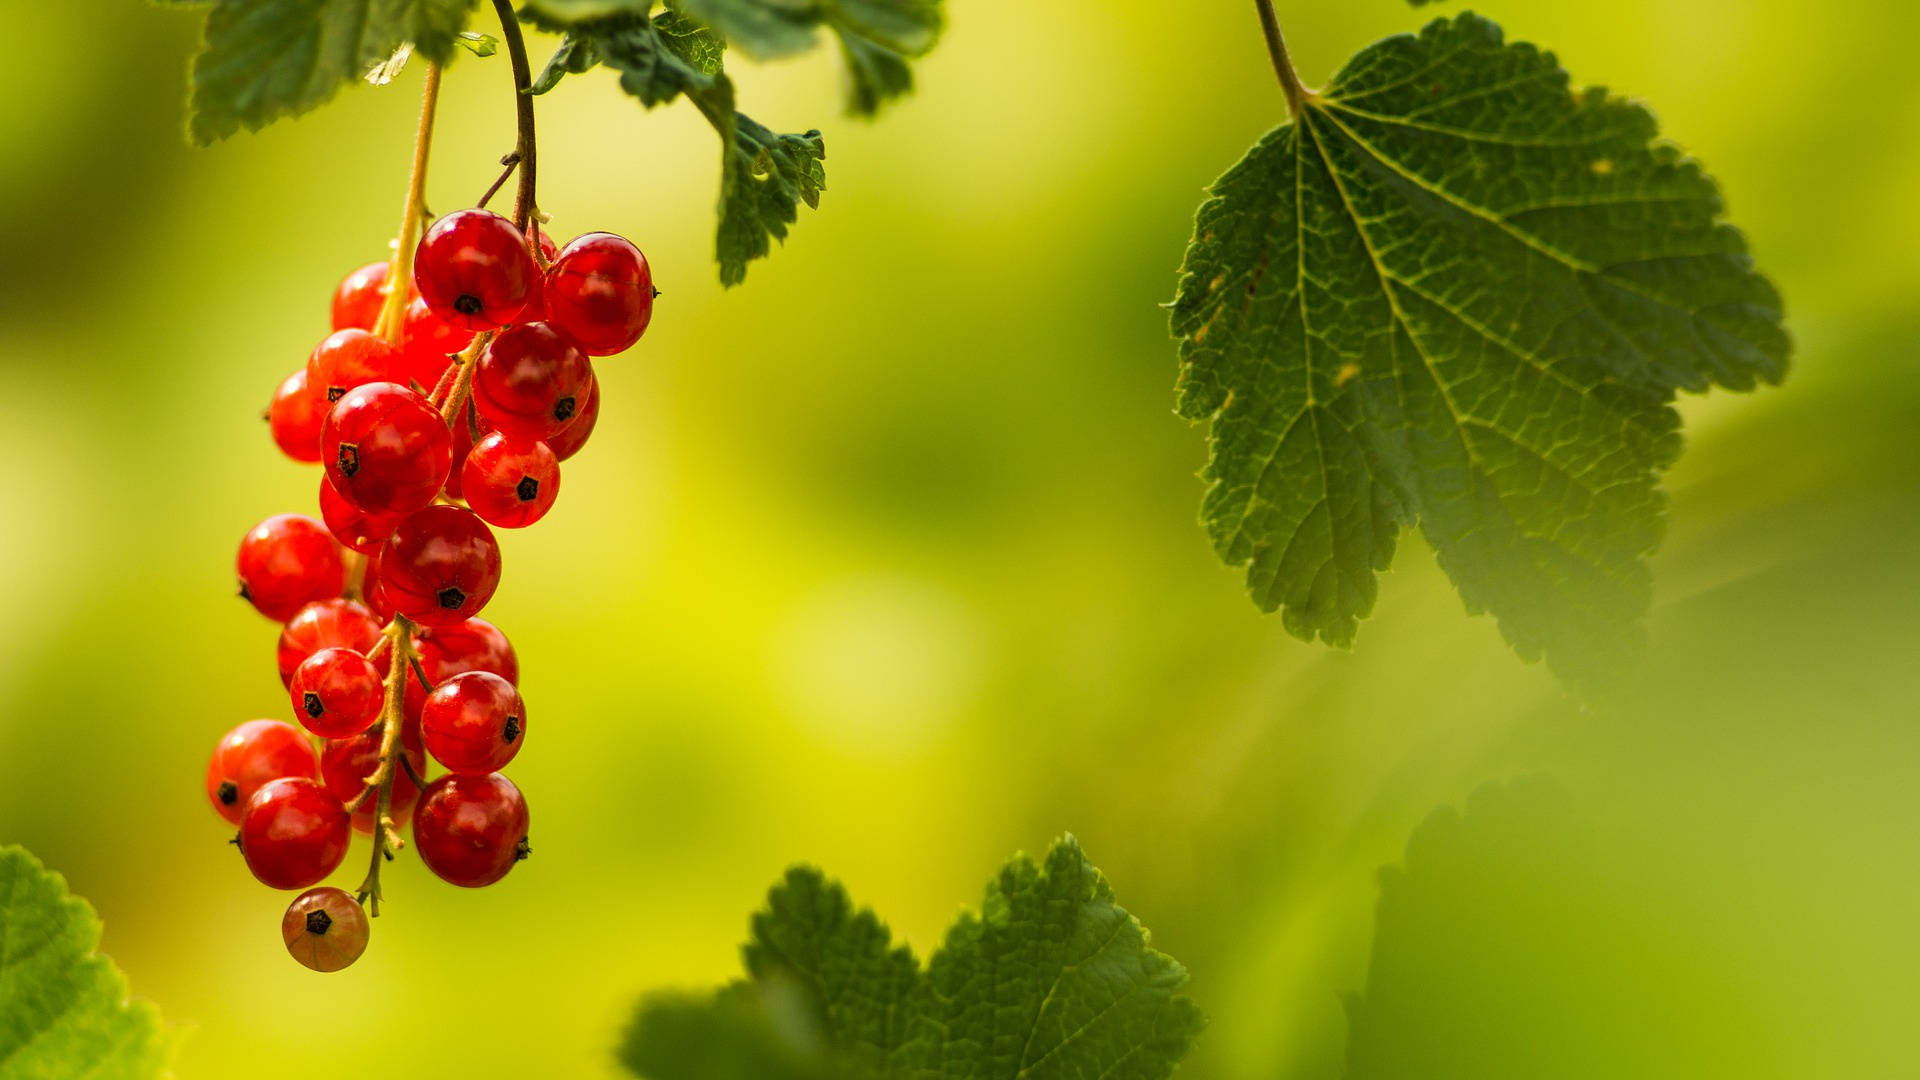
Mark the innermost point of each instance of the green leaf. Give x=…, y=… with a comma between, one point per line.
x=64, y=1009
x=1456, y=294
x=265, y=59
x=877, y=37
x=1051, y=979
x=481, y=45
x=764, y=177
x=763, y=29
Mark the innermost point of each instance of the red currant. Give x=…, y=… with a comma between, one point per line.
x=574, y=435
x=337, y=693
x=474, y=723
x=358, y=299
x=325, y=624
x=535, y=311
x=464, y=434
x=350, y=358
x=474, y=270
x=249, y=756
x=599, y=292
x=429, y=343
x=386, y=449
x=362, y=530
x=345, y=765
x=470, y=830
x=372, y=592
x=474, y=645
x=510, y=484
x=531, y=382
x=294, y=418
x=441, y=566
x=286, y=562
x=294, y=833
x=324, y=929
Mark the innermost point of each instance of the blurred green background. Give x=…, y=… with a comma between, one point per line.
x=888, y=559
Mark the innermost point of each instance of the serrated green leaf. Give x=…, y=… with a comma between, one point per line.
x=265, y=59
x=876, y=36
x=875, y=73
x=1456, y=294
x=64, y=1010
x=575, y=55
x=763, y=29
x=1052, y=980
x=764, y=177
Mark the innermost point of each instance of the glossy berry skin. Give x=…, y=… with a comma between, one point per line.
x=336, y=693
x=531, y=382
x=324, y=929
x=441, y=566
x=510, y=484
x=287, y=562
x=474, y=270
x=345, y=765
x=372, y=592
x=465, y=433
x=428, y=343
x=574, y=435
x=325, y=624
x=294, y=418
x=470, y=830
x=294, y=833
x=536, y=308
x=250, y=756
x=361, y=530
x=359, y=297
x=599, y=292
x=350, y=358
x=474, y=645
x=474, y=723
x=386, y=449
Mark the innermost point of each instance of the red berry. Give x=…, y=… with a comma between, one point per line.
x=531, y=382
x=337, y=693
x=474, y=645
x=474, y=723
x=510, y=484
x=474, y=270
x=464, y=435
x=294, y=418
x=441, y=566
x=286, y=562
x=470, y=830
x=386, y=448
x=362, y=530
x=324, y=929
x=251, y=755
x=359, y=297
x=536, y=308
x=350, y=358
x=345, y=765
x=574, y=435
x=428, y=343
x=294, y=833
x=599, y=292
x=325, y=624
x=372, y=592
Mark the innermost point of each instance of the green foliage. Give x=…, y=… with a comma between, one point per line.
x=63, y=1007
x=1498, y=286
x=264, y=59
x=1050, y=979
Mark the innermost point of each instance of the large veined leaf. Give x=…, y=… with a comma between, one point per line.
x=1454, y=293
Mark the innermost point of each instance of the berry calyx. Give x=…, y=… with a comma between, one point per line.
x=350, y=358
x=574, y=435
x=345, y=765
x=510, y=484
x=286, y=562
x=294, y=418
x=252, y=755
x=324, y=929
x=293, y=833
x=441, y=566
x=531, y=382
x=386, y=449
x=474, y=270
x=474, y=645
x=358, y=298
x=470, y=830
x=336, y=693
x=474, y=723
x=325, y=624
x=599, y=292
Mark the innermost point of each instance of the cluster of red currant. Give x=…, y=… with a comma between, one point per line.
x=435, y=414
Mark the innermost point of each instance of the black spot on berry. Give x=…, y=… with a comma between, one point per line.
x=528, y=489
x=319, y=922
x=451, y=597
x=335, y=393
x=349, y=459
x=563, y=409
x=314, y=706
x=522, y=849
x=244, y=594
x=467, y=304
x=512, y=730
x=229, y=793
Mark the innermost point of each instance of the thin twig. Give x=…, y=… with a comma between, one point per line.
x=400, y=270
x=523, y=112
x=511, y=160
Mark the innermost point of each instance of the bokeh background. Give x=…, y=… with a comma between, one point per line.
x=888, y=559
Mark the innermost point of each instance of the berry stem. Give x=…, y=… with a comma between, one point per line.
x=1290, y=84
x=511, y=161
x=380, y=784
x=453, y=405
x=400, y=271
x=523, y=113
